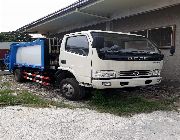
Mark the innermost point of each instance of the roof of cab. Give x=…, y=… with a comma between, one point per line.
x=100, y=31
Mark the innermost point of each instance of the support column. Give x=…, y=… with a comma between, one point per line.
x=109, y=26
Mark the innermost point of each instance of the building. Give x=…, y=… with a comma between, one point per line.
x=4, y=47
x=159, y=20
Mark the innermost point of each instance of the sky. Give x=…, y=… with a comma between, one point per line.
x=17, y=13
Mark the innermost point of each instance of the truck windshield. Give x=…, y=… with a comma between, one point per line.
x=122, y=43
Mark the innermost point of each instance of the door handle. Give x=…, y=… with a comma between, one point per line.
x=63, y=61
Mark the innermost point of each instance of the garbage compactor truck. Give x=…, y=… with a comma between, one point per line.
x=85, y=60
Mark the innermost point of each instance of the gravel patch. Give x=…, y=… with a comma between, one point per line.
x=65, y=124
x=80, y=124
x=4, y=72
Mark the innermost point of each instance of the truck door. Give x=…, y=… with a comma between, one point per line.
x=76, y=57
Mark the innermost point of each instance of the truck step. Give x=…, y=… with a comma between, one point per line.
x=43, y=80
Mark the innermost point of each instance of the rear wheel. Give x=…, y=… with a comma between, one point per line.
x=71, y=90
x=18, y=76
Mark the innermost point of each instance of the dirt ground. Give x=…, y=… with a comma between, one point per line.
x=166, y=90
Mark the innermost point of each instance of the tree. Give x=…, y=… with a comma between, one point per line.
x=14, y=37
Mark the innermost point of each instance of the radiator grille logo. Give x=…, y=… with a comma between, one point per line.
x=136, y=73
x=137, y=58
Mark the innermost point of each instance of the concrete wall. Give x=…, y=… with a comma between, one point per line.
x=165, y=17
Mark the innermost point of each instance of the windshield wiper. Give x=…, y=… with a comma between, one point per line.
x=127, y=52
x=143, y=52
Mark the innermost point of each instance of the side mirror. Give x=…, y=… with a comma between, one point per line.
x=172, y=50
x=98, y=42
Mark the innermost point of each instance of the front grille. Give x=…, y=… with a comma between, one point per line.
x=134, y=73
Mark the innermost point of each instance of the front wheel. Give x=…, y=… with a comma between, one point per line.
x=71, y=89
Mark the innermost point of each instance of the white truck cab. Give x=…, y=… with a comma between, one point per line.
x=104, y=59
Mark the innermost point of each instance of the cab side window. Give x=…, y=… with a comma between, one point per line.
x=78, y=45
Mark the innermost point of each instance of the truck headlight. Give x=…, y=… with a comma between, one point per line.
x=105, y=74
x=156, y=72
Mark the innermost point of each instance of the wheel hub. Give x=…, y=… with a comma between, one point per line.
x=68, y=89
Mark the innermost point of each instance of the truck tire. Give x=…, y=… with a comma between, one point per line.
x=18, y=75
x=71, y=89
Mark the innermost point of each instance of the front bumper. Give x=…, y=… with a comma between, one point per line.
x=122, y=83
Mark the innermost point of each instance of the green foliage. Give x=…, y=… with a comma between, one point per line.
x=7, y=98
x=24, y=98
x=14, y=37
x=127, y=105
x=5, y=84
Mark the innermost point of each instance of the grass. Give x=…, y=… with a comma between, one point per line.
x=119, y=104
x=7, y=98
x=6, y=84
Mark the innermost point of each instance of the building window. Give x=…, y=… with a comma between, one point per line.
x=78, y=45
x=164, y=37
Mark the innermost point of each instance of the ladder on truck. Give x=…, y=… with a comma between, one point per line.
x=54, y=50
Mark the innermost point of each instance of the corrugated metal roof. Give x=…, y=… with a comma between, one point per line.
x=85, y=13
x=58, y=13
